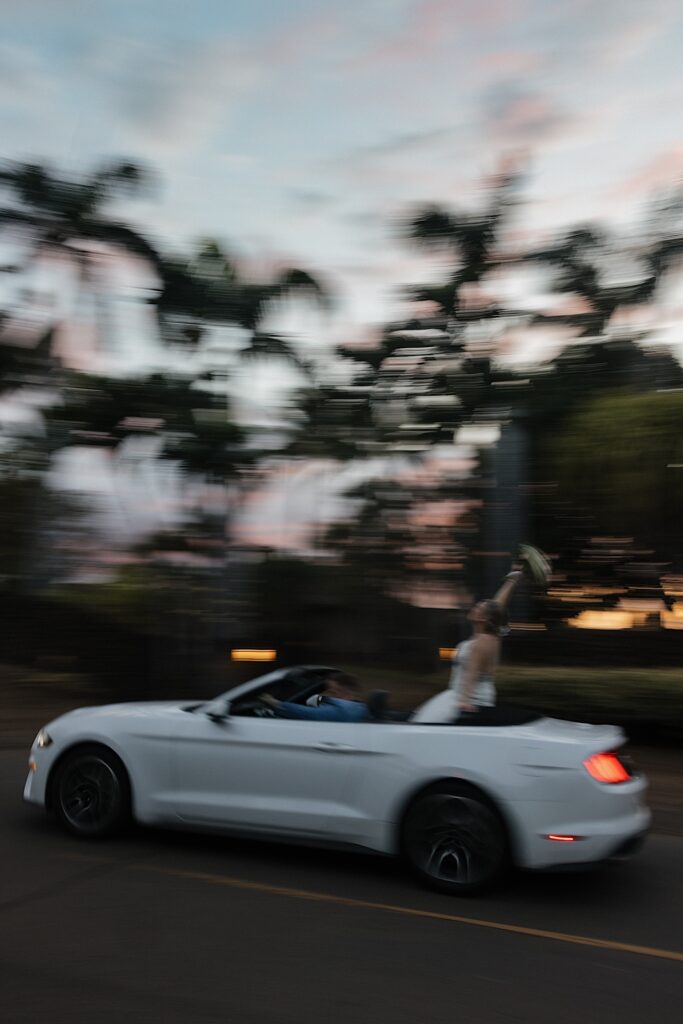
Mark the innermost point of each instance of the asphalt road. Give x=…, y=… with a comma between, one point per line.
x=167, y=927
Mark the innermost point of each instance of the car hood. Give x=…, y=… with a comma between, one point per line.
x=128, y=709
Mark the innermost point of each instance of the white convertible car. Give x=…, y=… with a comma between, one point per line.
x=459, y=801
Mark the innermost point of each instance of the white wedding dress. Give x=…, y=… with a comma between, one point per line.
x=444, y=706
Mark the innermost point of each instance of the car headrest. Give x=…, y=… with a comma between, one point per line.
x=377, y=705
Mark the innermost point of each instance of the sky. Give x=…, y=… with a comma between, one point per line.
x=300, y=131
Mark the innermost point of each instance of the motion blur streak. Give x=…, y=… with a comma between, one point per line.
x=271, y=381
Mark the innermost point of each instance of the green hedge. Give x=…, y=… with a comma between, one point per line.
x=647, y=703
x=638, y=699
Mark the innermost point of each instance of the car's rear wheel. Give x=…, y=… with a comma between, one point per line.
x=91, y=794
x=455, y=840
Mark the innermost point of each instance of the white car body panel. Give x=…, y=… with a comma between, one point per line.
x=291, y=776
x=349, y=783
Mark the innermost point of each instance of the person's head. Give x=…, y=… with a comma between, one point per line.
x=488, y=617
x=342, y=686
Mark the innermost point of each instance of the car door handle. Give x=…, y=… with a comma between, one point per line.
x=334, y=748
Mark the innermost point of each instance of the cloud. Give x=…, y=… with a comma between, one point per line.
x=24, y=79
x=310, y=198
x=492, y=14
x=432, y=26
x=32, y=105
x=512, y=62
x=631, y=40
x=403, y=143
x=664, y=170
x=516, y=114
x=429, y=25
x=174, y=97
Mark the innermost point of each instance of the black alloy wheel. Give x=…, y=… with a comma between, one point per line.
x=92, y=794
x=455, y=840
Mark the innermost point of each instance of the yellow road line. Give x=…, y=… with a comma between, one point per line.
x=345, y=901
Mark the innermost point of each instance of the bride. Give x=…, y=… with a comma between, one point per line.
x=471, y=685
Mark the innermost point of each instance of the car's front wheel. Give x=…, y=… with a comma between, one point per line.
x=91, y=794
x=455, y=840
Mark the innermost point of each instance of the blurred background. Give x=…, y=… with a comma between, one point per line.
x=310, y=315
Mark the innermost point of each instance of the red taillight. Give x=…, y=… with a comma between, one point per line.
x=607, y=768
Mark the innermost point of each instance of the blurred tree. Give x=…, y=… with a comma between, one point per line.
x=188, y=425
x=407, y=538
x=67, y=217
x=425, y=378
x=34, y=521
x=429, y=374
x=620, y=457
x=208, y=290
x=592, y=367
x=176, y=590
x=610, y=273
x=469, y=240
x=193, y=425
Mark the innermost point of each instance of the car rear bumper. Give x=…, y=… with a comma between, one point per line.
x=625, y=849
x=593, y=841
x=629, y=847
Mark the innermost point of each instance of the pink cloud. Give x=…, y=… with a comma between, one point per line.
x=429, y=26
x=526, y=120
x=491, y=13
x=424, y=309
x=631, y=40
x=632, y=317
x=573, y=305
x=288, y=43
x=475, y=296
x=665, y=169
x=294, y=536
x=511, y=62
x=437, y=513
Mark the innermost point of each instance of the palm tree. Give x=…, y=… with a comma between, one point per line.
x=414, y=388
x=208, y=289
x=194, y=426
x=67, y=215
x=423, y=359
x=579, y=258
x=469, y=239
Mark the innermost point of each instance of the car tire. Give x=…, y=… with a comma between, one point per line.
x=91, y=793
x=455, y=840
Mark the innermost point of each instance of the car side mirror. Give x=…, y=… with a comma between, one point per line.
x=218, y=710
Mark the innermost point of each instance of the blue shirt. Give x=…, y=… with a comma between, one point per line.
x=332, y=709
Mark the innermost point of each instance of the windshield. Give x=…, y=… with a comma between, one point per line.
x=270, y=679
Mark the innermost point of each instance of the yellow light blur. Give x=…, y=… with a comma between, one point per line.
x=673, y=586
x=573, y=596
x=672, y=619
x=640, y=604
x=595, y=618
x=447, y=653
x=255, y=655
